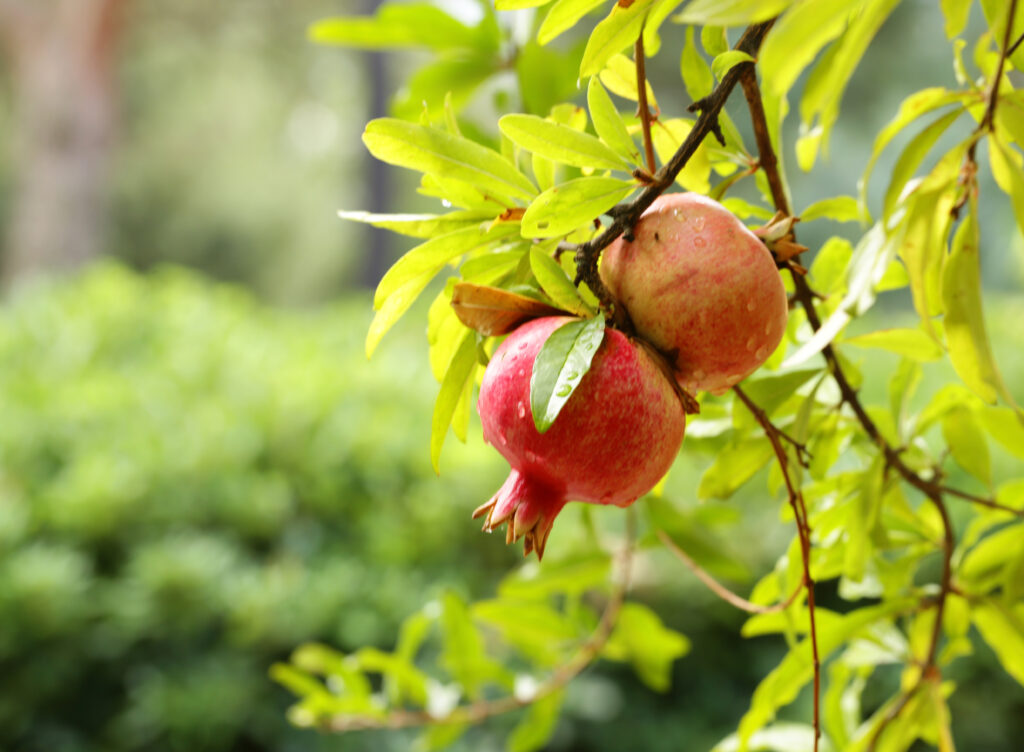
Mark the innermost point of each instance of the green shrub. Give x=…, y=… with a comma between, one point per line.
x=190, y=485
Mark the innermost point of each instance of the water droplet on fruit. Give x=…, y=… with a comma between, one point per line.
x=522, y=410
x=698, y=222
x=761, y=353
x=751, y=306
x=522, y=372
x=733, y=379
x=699, y=241
x=698, y=375
x=531, y=457
x=767, y=328
x=750, y=343
x=502, y=439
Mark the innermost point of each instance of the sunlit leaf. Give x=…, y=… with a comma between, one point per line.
x=1003, y=629
x=733, y=467
x=560, y=143
x=912, y=156
x=396, y=25
x=460, y=370
x=798, y=36
x=730, y=12
x=728, y=60
x=438, y=152
x=538, y=724
x=640, y=638
x=556, y=283
x=619, y=30
x=563, y=208
x=608, y=122
x=420, y=225
x=563, y=15
x=967, y=443
x=969, y=347
x=912, y=343
x=838, y=209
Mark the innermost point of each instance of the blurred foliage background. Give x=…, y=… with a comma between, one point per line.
x=197, y=476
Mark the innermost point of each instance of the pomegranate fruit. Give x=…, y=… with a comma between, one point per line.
x=701, y=287
x=612, y=441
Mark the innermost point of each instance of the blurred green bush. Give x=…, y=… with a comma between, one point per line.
x=192, y=484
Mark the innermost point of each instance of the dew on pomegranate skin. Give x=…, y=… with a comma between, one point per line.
x=751, y=306
x=522, y=373
x=502, y=439
x=767, y=328
x=522, y=410
x=530, y=457
x=699, y=241
x=761, y=353
x=750, y=343
x=698, y=222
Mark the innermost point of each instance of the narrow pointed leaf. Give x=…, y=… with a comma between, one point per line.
x=438, y=152
x=560, y=142
x=564, y=14
x=969, y=347
x=912, y=156
x=913, y=343
x=556, y=283
x=617, y=31
x=838, y=209
x=730, y=12
x=560, y=366
x=419, y=225
x=563, y=208
x=608, y=122
x=460, y=370
x=723, y=63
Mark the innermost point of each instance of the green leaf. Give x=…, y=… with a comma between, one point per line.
x=618, y=30
x=769, y=392
x=913, y=343
x=996, y=14
x=564, y=577
x=462, y=653
x=430, y=257
x=395, y=25
x=420, y=225
x=562, y=362
x=1005, y=426
x=668, y=136
x=967, y=443
x=730, y=12
x=517, y=4
x=783, y=684
x=640, y=638
x=969, y=347
x=1003, y=630
x=440, y=736
x=460, y=371
x=734, y=466
x=619, y=75
x=985, y=562
x=914, y=106
x=838, y=209
x=956, y=13
x=564, y=14
x=556, y=283
x=563, y=208
x=825, y=87
x=438, y=152
x=723, y=63
x=560, y=142
x=797, y=38
x=779, y=737
x=912, y=156
x=608, y=122
x=697, y=76
x=391, y=310
x=430, y=86
x=538, y=724
x=1012, y=183
x=714, y=40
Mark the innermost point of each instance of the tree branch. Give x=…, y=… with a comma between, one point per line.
x=479, y=711
x=588, y=253
x=641, y=95
x=721, y=590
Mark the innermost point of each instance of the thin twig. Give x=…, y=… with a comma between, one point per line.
x=641, y=95
x=721, y=590
x=479, y=711
x=768, y=161
x=981, y=501
x=803, y=527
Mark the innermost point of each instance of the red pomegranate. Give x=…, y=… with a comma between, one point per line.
x=699, y=285
x=612, y=441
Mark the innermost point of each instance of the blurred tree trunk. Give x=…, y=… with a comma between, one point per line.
x=61, y=55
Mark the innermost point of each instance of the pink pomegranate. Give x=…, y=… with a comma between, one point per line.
x=612, y=441
x=700, y=286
